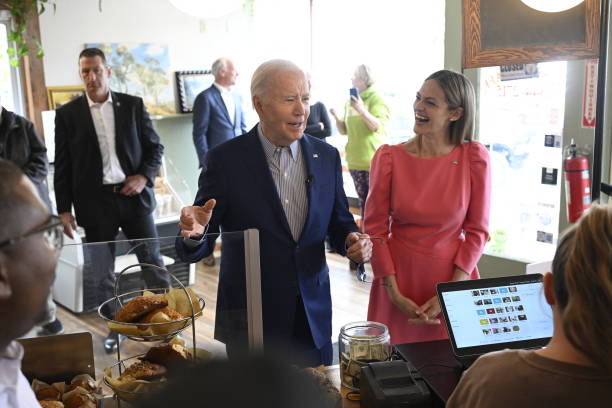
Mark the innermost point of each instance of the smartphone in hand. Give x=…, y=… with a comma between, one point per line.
x=354, y=92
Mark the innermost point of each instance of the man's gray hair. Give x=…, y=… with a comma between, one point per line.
x=266, y=71
x=218, y=65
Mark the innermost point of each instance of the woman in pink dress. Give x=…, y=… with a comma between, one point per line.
x=427, y=210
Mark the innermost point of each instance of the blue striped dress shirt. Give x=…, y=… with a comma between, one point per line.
x=288, y=171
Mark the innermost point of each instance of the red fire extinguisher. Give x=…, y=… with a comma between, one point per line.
x=577, y=182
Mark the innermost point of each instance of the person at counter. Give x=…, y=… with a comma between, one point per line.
x=428, y=210
x=30, y=241
x=575, y=368
x=288, y=186
x=107, y=155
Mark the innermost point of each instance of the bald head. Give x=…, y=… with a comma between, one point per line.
x=18, y=199
x=266, y=73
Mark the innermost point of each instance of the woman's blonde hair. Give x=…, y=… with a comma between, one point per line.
x=364, y=72
x=582, y=279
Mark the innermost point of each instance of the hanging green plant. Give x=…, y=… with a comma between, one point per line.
x=249, y=8
x=21, y=12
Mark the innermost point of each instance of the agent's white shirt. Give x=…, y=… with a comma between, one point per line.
x=228, y=100
x=15, y=392
x=103, y=117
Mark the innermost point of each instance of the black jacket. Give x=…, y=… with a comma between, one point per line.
x=318, y=115
x=20, y=144
x=78, y=161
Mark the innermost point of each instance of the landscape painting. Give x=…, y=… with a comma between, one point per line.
x=141, y=70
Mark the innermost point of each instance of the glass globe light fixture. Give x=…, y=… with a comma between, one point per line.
x=207, y=8
x=551, y=6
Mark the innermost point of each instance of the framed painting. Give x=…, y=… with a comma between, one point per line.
x=189, y=84
x=506, y=32
x=59, y=95
x=141, y=69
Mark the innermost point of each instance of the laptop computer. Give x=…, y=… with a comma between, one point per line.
x=493, y=314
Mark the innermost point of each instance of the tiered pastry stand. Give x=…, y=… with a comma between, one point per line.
x=177, y=327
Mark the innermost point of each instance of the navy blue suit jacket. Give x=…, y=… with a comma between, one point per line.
x=211, y=122
x=238, y=177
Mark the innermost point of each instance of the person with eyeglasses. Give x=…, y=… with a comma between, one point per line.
x=30, y=242
x=20, y=143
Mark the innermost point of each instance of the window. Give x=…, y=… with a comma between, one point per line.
x=10, y=91
x=403, y=42
x=521, y=121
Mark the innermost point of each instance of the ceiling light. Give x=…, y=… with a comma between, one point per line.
x=207, y=8
x=552, y=6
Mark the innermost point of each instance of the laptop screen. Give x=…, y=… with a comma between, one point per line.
x=487, y=315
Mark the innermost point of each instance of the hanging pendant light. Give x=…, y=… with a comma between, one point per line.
x=207, y=8
x=551, y=6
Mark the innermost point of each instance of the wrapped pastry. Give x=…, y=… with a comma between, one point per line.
x=163, y=315
x=168, y=355
x=140, y=306
x=48, y=393
x=51, y=404
x=85, y=381
x=79, y=398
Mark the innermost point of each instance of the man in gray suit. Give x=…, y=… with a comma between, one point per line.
x=217, y=111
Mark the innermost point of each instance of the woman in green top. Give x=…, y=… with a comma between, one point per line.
x=364, y=121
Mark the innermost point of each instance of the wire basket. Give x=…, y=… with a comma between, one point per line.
x=132, y=390
x=151, y=331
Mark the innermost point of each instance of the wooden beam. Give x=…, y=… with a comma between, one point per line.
x=34, y=80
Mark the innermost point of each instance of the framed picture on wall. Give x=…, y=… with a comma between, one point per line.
x=59, y=95
x=189, y=84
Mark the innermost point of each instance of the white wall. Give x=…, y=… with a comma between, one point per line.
x=280, y=30
x=77, y=22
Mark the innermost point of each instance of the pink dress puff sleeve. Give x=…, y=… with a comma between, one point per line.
x=476, y=224
x=378, y=212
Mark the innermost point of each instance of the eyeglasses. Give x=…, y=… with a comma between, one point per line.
x=53, y=233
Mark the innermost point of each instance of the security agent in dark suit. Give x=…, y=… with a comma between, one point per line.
x=106, y=157
x=217, y=111
x=288, y=186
